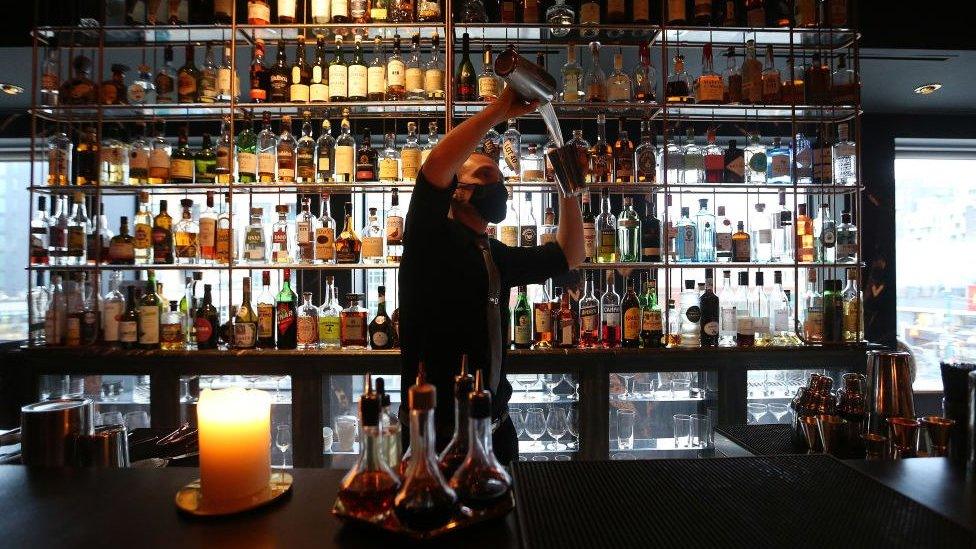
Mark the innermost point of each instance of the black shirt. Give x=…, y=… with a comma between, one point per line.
x=443, y=297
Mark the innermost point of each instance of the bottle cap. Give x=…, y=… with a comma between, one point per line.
x=173, y=306
x=743, y=278
x=354, y=298
x=703, y=203
x=689, y=284
x=281, y=208
x=760, y=279
x=369, y=405
x=463, y=382
x=479, y=399
x=186, y=203
x=198, y=275
x=423, y=395
x=851, y=273
x=777, y=277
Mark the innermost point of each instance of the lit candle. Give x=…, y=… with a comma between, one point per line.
x=235, y=446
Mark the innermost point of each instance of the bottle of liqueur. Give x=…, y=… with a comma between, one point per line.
x=734, y=164
x=651, y=232
x=741, y=244
x=601, y=154
x=279, y=77
x=166, y=78
x=259, y=74
x=206, y=321
x=186, y=235
x=394, y=229
x=629, y=233
x=39, y=252
x=307, y=324
x=381, y=327
x=121, y=249
x=457, y=449
x=329, y=317
x=207, y=79
x=305, y=227
x=247, y=164
x=564, y=325
x=324, y=153
x=285, y=150
x=708, y=304
x=325, y=249
x=245, y=322
x=162, y=236
x=352, y=324
x=651, y=331
x=149, y=310
x=606, y=231
x=187, y=79
x=589, y=314
x=286, y=325
x=348, y=245
x=86, y=158
x=368, y=489
x=366, y=159
x=542, y=320
x=338, y=73
x=376, y=73
x=678, y=88
x=610, y=314
x=318, y=88
x=414, y=75
x=466, y=80
x=128, y=322
x=301, y=76
x=344, y=156
x=623, y=155
x=396, y=73
x=357, y=74
x=522, y=321
x=266, y=314
x=631, y=311
x=489, y=85
x=281, y=237
x=589, y=230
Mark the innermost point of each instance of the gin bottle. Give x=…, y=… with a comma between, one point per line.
x=762, y=235
x=755, y=161
x=510, y=153
x=629, y=233
x=694, y=161
x=606, y=231
x=778, y=163
x=844, y=158
x=705, y=221
x=846, y=246
x=727, y=311
x=610, y=314
x=690, y=314
x=687, y=238
x=759, y=311
x=560, y=18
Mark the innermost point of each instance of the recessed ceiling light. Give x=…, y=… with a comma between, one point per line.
x=926, y=89
x=10, y=89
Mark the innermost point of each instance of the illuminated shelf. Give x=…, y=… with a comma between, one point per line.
x=685, y=111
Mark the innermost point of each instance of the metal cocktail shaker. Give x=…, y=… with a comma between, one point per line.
x=890, y=392
x=48, y=429
x=530, y=81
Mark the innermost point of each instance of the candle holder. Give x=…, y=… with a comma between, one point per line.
x=189, y=498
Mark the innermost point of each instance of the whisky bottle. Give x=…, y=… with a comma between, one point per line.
x=86, y=158
x=225, y=245
x=678, y=87
x=281, y=237
x=572, y=76
x=389, y=160
x=395, y=73
x=266, y=314
x=121, y=250
x=325, y=245
x=279, y=77
x=324, y=153
x=207, y=79
x=285, y=152
x=255, y=245
x=595, y=81
x=305, y=152
x=301, y=75
x=402, y=11
x=345, y=155
x=372, y=239
x=610, y=314
x=205, y=161
x=223, y=154
x=286, y=326
x=645, y=75
x=601, y=154
x=488, y=82
x=318, y=88
x=358, y=74
x=267, y=150
x=306, y=226
x=619, y=85
x=741, y=244
x=366, y=159
x=771, y=80
x=348, y=246
x=182, y=162
x=522, y=321
x=149, y=310
x=376, y=73
x=59, y=149
x=187, y=79
x=414, y=72
x=752, y=86
x=228, y=86
x=328, y=319
x=631, y=311
x=259, y=74
x=410, y=155
x=623, y=155
x=159, y=160
x=589, y=314
x=352, y=324
x=112, y=91
x=185, y=235
x=434, y=68
x=432, y=141
x=162, y=236
x=652, y=332
x=258, y=12
x=340, y=11
x=379, y=11
x=307, y=324
x=381, y=327
x=709, y=88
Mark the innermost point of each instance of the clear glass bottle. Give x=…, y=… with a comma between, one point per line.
x=595, y=80
x=853, y=324
x=779, y=166
x=645, y=155
x=751, y=71
x=781, y=222
x=803, y=159
x=560, y=18
x=755, y=161
x=709, y=87
x=186, y=236
x=434, y=71
x=572, y=76
x=690, y=314
x=846, y=246
x=813, y=308
x=480, y=481
x=328, y=317
x=308, y=332
x=610, y=314
x=761, y=235
x=679, y=85
x=533, y=168
x=282, y=237
x=255, y=243
x=432, y=141
x=305, y=152
x=606, y=231
x=76, y=231
x=305, y=226
x=629, y=233
x=456, y=450
x=245, y=321
x=325, y=233
x=589, y=18
x=589, y=314
x=142, y=90
x=687, y=239
x=759, y=311
x=352, y=324
x=645, y=76
x=410, y=155
x=267, y=146
x=511, y=152
x=727, y=311
x=372, y=239
x=706, y=234
x=623, y=155
x=389, y=160
x=745, y=334
x=159, y=160
x=694, y=160
x=508, y=232
x=844, y=158
x=619, y=85
x=673, y=160
x=415, y=72
x=771, y=80
x=780, y=313
x=324, y=153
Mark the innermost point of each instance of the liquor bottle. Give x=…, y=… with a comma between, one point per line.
x=825, y=235
x=755, y=161
x=247, y=164
x=793, y=91
x=781, y=221
x=564, y=324
x=689, y=315
x=780, y=323
x=221, y=156
x=705, y=223
x=610, y=314
x=182, y=162
x=189, y=304
x=816, y=77
x=489, y=85
x=846, y=246
x=318, y=87
x=651, y=332
x=605, y=227
x=366, y=159
x=348, y=245
x=187, y=79
x=304, y=152
x=344, y=155
x=631, y=311
x=686, y=243
x=745, y=333
x=266, y=313
x=258, y=12
x=328, y=318
x=39, y=234
x=357, y=74
x=678, y=87
x=601, y=154
x=281, y=237
x=507, y=11
x=98, y=238
x=286, y=326
x=394, y=229
x=595, y=81
x=723, y=236
x=645, y=75
x=340, y=11
x=372, y=239
x=511, y=153
x=853, y=325
x=321, y=11
x=301, y=76
x=379, y=12
x=734, y=164
x=589, y=314
x=805, y=248
x=589, y=230
x=761, y=235
x=741, y=245
x=79, y=89
x=434, y=69
x=771, y=80
x=429, y=11
x=128, y=328
x=285, y=152
x=352, y=324
x=112, y=309
x=149, y=309
x=305, y=227
x=207, y=78
x=650, y=231
x=751, y=71
x=206, y=321
x=528, y=227
x=89, y=315
x=166, y=78
x=245, y=322
x=833, y=312
x=759, y=311
x=572, y=75
x=121, y=249
x=359, y=11
x=279, y=76
x=414, y=72
x=324, y=153
x=803, y=159
x=396, y=73
x=693, y=161
x=542, y=320
x=381, y=327
x=844, y=86
x=228, y=86
x=143, y=240
x=810, y=310
x=159, y=160
x=560, y=17
x=432, y=141
x=402, y=11
x=532, y=164
x=112, y=91
x=59, y=149
x=619, y=85
x=589, y=17
x=141, y=90
x=69, y=241
x=623, y=155
x=646, y=155
x=50, y=76
x=186, y=235
x=778, y=163
x=267, y=150
x=844, y=158
x=629, y=233
x=255, y=245
x=368, y=489
x=727, y=315
x=708, y=304
x=325, y=244
x=225, y=245
x=307, y=333
x=709, y=87
x=286, y=12
x=86, y=158
x=466, y=81
x=389, y=160
x=522, y=321
x=205, y=161
x=259, y=74
x=823, y=168
x=409, y=156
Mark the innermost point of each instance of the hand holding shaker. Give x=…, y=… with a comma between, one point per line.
x=533, y=83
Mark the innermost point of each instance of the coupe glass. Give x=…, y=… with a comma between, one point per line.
x=778, y=410
x=551, y=381
x=535, y=426
x=526, y=381
x=557, y=425
x=756, y=411
x=283, y=442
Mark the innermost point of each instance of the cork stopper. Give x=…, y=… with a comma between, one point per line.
x=423, y=395
x=480, y=399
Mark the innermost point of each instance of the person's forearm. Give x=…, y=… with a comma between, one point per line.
x=451, y=152
x=569, y=235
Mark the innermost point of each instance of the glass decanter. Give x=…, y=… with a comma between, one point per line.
x=457, y=449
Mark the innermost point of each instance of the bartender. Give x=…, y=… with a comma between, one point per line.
x=455, y=282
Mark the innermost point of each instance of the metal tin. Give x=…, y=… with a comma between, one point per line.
x=107, y=447
x=48, y=429
x=890, y=392
x=530, y=81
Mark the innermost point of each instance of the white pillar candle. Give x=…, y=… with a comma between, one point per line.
x=235, y=441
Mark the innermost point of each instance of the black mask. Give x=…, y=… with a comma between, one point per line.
x=490, y=201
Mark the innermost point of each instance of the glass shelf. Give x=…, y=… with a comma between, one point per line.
x=655, y=445
x=760, y=113
x=779, y=38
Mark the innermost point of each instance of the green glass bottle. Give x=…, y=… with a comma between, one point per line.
x=206, y=161
x=247, y=165
x=285, y=313
x=651, y=330
x=150, y=311
x=522, y=321
x=629, y=233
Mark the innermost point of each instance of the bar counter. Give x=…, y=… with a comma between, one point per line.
x=134, y=507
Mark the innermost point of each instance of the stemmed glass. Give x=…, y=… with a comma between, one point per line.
x=535, y=426
x=251, y=380
x=572, y=423
x=626, y=395
x=756, y=411
x=283, y=442
x=551, y=381
x=281, y=383
x=778, y=409
x=557, y=425
x=517, y=421
x=526, y=381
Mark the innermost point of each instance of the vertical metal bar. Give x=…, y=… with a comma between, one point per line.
x=306, y=416
x=448, y=65
x=30, y=192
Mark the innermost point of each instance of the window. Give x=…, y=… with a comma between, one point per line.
x=935, y=239
x=14, y=215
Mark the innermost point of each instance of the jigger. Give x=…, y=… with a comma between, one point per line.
x=831, y=430
x=875, y=446
x=904, y=436
x=568, y=169
x=938, y=430
x=811, y=433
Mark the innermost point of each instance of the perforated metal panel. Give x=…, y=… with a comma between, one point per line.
x=762, y=440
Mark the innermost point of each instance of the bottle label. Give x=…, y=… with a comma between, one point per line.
x=813, y=325
x=259, y=11
x=589, y=318
x=608, y=242
x=254, y=244
x=523, y=329
x=353, y=326
x=329, y=329
x=344, y=160
x=208, y=231
x=172, y=334
x=566, y=334
x=736, y=166
x=395, y=73
x=410, y=163
x=148, y=324
x=181, y=168
x=414, y=79
x=744, y=326
x=223, y=240
x=159, y=158
x=266, y=163
x=298, y=92
x=121, y=251
x=590, y=12
x=76, y=241
x=509, y=235
x=246, y=163
x=710, y=89
x=511, y=154
x=204, y=329
x=266, y=320
x=303, y=230
x=434, y=82
x=372, y=246
x=611, y=315
x=723, y=242
x=646, y=166
x=138, y=159
x=527, y=236
x=779, y=166
x=589, y=240
x=285, y=313
x=389, y=169
x=571, y=87
x=488, y=87
x=128, y=331
x=307, y=330
x=764, y=236
x=324, y=244
x=543, y=318
x=394, y=230
x=324, y=163
x=710, y=328
x=781, y=320
x=358, y=81
x=380, y=340
x=757, y=162
x=111, y=314
x=338, y=77
x=740, y=250
x=728, y=318
x=693, y=314
x=340, y=8
x=318, y=92
x=651, y=320
x=376, y=80
x=245, y=334
x=186, y=87
x=632, y=323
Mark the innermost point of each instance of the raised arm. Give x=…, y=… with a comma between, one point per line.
x=447, y=157
x=569, y=235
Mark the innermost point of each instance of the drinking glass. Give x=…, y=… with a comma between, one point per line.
x=137, y=420
x=140, y=392
x=572, y=418
x=557, y=425
x=680, y=388
x=281, y=388
x=756, y=411
x=345, y=432
x=701, y=431
x=562, y=457
x=551, y=381
x=574, y=384
x=778, y=409
x=327, y=437
x=625, y=429
x=112, y=418
x=518, y=421
x=535, y=426
x=283, y=442
x=643, y=389
x=526, y=381
x=626, y=395
x=682, y=430
x=540, y=457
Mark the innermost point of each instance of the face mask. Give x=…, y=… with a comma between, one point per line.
x=490, y=201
